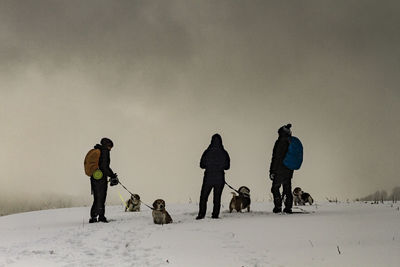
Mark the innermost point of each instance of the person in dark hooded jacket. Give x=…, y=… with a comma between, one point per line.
x=279, y=173
x=215, y=160
x=99, y=186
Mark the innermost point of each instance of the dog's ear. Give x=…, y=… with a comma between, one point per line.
x=155, y=204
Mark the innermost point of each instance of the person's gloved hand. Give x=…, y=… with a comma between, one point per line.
x=272, y=176
x=114, y=181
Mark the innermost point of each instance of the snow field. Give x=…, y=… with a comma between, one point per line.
x=355, y=234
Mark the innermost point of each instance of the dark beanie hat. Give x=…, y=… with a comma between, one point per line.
x=285, y=130
x=106, y=142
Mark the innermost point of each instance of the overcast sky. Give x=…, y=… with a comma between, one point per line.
x=161, y=77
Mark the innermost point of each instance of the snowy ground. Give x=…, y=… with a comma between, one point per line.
x=355, y=234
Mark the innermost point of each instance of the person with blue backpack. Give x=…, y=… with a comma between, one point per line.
x=287, y=156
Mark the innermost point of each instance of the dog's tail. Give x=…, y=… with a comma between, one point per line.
x=310, y=200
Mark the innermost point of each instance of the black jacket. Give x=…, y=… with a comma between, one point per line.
x=104, y=161
x=215, y=160
x=278, y=155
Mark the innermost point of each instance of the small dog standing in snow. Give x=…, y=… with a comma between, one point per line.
x=133, y=204
x=301, y=198
x=160, y=215
x=241, y=201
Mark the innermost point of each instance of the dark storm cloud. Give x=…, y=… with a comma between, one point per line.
x=101, y=37
x=241, y=36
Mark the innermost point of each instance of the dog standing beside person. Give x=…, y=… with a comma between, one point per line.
x=301, y=198
x=241, y=201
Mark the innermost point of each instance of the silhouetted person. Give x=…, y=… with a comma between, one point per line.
x=279, y=173
x=99, y=186
x=214, y=160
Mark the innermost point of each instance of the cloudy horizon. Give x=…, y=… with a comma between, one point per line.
x=161, y=77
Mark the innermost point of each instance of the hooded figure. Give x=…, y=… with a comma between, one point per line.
x=279, y=173
x=99, y=186
x=215, y=160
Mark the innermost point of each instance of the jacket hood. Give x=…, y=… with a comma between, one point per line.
x=216, y=142
x=98, y=146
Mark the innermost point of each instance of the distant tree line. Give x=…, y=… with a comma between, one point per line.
x=382, y=195
x=9, y=205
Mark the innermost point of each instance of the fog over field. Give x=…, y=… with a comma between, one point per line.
x=161, y=77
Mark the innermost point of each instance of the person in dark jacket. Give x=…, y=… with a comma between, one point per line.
x=99, y=186
x=215, y=160
x=279, y=173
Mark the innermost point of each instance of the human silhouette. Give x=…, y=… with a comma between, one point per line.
x=215, y=160
x=99, y=185
x=279, y=173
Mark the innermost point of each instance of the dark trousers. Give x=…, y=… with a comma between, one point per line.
x=205, y=192
x=99, y=191
x=287, y=193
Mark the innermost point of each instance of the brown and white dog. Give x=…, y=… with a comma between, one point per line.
x=301, y=198
x=241, y=201
x=160, y=215
x=133, y=204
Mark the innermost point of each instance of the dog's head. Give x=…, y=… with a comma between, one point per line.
x=297, y=191
x=244, y=190
x=159, y=204
x=135, y=198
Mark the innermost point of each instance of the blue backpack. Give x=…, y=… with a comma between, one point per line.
x=294, y=155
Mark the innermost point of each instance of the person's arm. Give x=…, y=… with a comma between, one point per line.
x=105, y=164
x=227, y=161
x=278, y=154
x=203, y=164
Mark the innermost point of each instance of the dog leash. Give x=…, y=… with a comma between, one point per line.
x=132, y=194
x=232, y=188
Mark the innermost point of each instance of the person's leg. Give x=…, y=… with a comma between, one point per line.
x=217, y=199
x=287, y=192
x=94, y=209
x=102, y=200
x=205, y=192
x=277, y=196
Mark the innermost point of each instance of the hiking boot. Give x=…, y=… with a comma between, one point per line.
x=289, y=211
x=93, y=220
x=103, y=219
x=277, y=210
